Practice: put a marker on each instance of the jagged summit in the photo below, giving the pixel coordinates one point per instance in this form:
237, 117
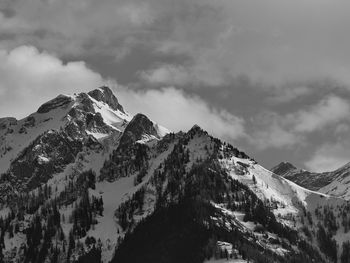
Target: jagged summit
95, 114
105, 94
82, 181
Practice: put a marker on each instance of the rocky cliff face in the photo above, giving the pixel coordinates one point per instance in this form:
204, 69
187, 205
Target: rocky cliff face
46, 142
45, 156
104, 94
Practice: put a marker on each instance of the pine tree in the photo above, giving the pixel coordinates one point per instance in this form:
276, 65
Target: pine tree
254, 179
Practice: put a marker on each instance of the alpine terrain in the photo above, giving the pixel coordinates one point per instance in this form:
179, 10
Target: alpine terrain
336, 183
82, 180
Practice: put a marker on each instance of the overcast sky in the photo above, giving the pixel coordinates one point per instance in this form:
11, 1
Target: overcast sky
272, 77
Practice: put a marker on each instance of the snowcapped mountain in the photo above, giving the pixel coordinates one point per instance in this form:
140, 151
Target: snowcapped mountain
335, 183
309, 180
84, 181
78, 116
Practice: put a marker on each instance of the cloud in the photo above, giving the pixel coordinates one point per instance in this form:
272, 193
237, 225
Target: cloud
29, 77
329, 157
167, 74
342, 129
178, 110
271, 42
269, 130
283, 95
274, 136
328, 111
277, 130
274, 46
76, 27
253, 51
87, 27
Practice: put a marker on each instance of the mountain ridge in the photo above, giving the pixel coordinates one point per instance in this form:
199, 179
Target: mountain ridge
334, 183
83, 180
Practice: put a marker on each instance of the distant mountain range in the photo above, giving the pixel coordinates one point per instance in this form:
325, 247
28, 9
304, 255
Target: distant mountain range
82, 180
335, 183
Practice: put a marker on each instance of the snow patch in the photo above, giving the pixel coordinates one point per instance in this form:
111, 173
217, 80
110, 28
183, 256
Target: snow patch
42, 159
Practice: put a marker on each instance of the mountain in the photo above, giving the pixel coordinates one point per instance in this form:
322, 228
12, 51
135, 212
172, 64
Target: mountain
284, 169
309, 180
47, 141
335, 183
82, 180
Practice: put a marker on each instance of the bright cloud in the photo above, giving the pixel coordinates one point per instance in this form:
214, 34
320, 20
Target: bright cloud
286, 57
329, 111
276, 130
29, 77
177, 110
329, 157
272, 42
168, 75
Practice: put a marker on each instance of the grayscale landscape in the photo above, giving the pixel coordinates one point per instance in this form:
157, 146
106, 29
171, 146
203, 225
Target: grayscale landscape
166, 131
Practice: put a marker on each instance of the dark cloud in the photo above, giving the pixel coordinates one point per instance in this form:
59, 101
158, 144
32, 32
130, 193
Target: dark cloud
6, 36
276, 64
7, 9
8, 12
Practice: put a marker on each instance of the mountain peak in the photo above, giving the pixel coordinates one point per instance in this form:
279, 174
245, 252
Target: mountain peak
196, 127
140, 124
197, 130
105, 94
283, 168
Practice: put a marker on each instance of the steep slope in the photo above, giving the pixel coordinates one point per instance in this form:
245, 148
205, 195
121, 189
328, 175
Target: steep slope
51, 157
287, 195
223, 192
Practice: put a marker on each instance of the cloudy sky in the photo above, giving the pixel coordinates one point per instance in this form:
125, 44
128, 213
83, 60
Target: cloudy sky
271, 76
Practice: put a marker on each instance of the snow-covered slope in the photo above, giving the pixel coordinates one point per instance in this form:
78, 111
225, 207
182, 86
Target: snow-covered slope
65, 112
66, 137
340, 185
287, 196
